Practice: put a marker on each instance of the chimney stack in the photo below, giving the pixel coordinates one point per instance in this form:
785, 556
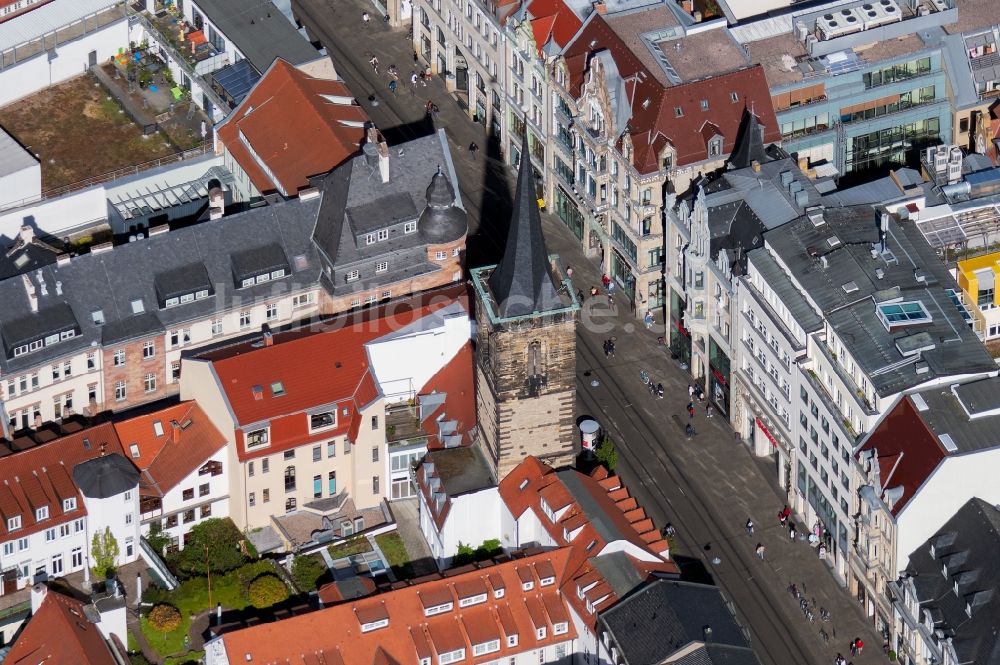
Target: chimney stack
216, 203
267, 334
26, 234
29, 287
175, 431
382, 148
38, 593
755, 165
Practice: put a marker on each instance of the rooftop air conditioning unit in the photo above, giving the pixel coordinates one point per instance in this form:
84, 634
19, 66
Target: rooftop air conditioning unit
801, 31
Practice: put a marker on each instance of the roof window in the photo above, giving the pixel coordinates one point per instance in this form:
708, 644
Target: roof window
907, 313
277, 389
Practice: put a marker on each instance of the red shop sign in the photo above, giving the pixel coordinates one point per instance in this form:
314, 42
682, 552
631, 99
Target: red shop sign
763, 429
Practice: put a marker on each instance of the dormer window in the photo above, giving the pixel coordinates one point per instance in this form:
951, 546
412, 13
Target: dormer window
14, 523
472, 600
260, 265
69, 504
438, 609
547, 581
512, 640
527, 586
374, 625
41, 513
540, 633
560, 628
256, 438
322, 420
715, 147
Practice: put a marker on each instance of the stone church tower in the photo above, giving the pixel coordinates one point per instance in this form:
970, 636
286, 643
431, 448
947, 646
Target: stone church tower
526, 315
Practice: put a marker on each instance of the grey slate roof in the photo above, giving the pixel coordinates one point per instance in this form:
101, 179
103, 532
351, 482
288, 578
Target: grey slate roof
967, 545
948, 405
112, 281
126, 287
356, 201
654, 623
521, 283
442, 221
105, 476
601, 521
749, 146
259, 31
843, 281
791, 298
618, 571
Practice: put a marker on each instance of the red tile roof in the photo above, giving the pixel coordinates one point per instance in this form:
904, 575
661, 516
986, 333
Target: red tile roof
328, 365
163, 461
655, 124
907, 451
457, 381
552, 19
410, 634
60, 633
532, 481
42, 476
294, 127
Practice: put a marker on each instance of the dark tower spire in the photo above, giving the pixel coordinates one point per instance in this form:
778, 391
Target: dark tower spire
522, 283
749, 145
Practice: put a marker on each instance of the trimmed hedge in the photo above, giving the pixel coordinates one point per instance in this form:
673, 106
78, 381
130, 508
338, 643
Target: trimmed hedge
267, 590
164, 618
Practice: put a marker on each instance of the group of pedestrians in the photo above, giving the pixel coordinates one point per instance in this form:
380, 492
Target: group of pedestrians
857, 645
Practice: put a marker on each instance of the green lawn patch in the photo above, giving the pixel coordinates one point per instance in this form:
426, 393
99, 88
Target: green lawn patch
194, 658
395, 551
166, 643
356, 545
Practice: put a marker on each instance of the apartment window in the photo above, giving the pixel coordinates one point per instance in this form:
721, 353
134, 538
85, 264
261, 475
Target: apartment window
188, 516
187, 494
64, 530
245, 320
317, 453
69, 504
289, 478
50, 535
22, 544
290, 505
148, 349
252, 499
353, 275
76, 558
119, 360
120, 392
175, 371
375, 453
317, 487
410, 227
8, 548
205, 511
440, 256
271, 312
265, 465
149, 383
374, 422
331, 448
381, 266
266, 495
203, 489
258, 437
128, 518
375, 484
289, 454
302, 299
250, 469
331, 483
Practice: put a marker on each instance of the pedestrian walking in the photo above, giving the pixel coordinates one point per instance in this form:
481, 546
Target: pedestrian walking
413, 82
840, 660
365, 18
569, 272
631, 304
749, 527
392, 86
385, 19
690, 410
611, 303
856, 646
688, 430
691, 392
648, 319
579, 295
611, 287
659, 390
416, 58
791, 530
760, 551
607, 348
708, 409
593, 291
783, 515
473, 149
611, 342
605, 280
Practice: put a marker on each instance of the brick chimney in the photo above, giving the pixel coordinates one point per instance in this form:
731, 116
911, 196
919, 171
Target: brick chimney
175, 431
26, 234
267, 335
